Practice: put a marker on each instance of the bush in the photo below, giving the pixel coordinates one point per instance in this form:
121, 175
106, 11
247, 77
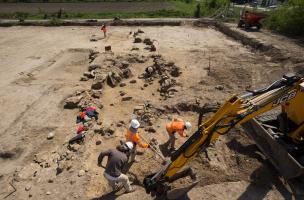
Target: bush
55, 21
288, 19
198, 13
21, 16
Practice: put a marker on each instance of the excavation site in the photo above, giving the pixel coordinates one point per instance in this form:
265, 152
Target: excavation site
69, 93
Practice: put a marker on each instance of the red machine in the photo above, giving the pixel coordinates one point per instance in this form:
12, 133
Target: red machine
251, 19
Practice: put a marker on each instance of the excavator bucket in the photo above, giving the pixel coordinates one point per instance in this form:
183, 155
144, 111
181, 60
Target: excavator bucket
266, 138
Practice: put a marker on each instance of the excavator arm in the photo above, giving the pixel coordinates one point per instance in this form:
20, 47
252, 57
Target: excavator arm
235, 111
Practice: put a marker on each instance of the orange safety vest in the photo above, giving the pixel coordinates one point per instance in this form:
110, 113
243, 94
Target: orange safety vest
177, 125
104, 29
135, 138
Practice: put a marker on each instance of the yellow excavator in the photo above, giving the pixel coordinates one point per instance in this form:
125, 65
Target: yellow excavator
280, 136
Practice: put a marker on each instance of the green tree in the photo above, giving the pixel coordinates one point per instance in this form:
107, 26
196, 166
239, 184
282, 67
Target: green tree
197, 12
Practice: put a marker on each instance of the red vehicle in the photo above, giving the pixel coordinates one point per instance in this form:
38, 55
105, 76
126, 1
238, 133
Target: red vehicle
251, 19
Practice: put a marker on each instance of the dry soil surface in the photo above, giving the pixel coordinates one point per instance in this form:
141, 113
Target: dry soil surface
40, 67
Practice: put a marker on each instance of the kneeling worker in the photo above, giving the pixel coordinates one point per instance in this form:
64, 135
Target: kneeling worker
177, 125
133, 136
117, 159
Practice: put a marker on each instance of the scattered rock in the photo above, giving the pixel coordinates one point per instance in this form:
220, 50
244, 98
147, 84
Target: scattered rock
170, 95
126, 73
81, 173
137, 40
28, 187
50, 135
98, 82
93, 67
122, 93
175, 71
148, 41
139, 107
108, 131
97, 129
96, 93
48, 193
108, 48
135, 49
88, 74
84, 78
132, 81
74, 147
140, 31
98, 142
122, 84
219, 87
124, 64
72, 102
146, 85
153, 48
149, 70
113, 78
61, 166
126, 98
120, 124
150, 130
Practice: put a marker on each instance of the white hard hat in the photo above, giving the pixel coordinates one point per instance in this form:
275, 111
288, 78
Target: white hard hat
188, 125
135, 123
129, 145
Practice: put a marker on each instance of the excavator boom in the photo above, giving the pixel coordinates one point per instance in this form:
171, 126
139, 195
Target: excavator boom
236, 111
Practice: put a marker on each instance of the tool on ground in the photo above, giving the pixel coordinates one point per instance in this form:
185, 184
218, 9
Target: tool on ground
283, 146
78, 137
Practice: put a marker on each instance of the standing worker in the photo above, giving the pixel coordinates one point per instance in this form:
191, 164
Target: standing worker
104, 30
177, 125
117, 160
133, 136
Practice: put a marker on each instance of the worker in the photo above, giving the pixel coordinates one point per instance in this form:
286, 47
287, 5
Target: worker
117, 160
104, 30
177, 125
133, 136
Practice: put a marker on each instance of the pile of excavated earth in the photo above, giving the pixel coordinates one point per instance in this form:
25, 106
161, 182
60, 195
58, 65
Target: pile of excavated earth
152, 74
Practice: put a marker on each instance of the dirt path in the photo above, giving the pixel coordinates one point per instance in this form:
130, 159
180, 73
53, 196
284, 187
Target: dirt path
41, 67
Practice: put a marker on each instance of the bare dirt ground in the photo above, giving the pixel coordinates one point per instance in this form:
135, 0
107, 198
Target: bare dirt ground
41, 67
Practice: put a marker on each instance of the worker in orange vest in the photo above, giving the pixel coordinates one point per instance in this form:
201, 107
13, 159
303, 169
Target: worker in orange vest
133, 136
104, 30
176, 126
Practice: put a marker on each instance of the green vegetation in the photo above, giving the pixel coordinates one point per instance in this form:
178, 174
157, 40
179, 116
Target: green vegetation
288, 19
183, 8
21, 16
68, 1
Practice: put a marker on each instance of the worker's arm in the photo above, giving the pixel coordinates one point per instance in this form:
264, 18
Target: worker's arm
181, 133
143, 145
101, 156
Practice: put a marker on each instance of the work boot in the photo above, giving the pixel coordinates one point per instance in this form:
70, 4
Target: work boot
172, 149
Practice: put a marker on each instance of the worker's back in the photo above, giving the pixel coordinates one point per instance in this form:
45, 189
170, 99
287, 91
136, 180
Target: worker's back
116, 162
177, 125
